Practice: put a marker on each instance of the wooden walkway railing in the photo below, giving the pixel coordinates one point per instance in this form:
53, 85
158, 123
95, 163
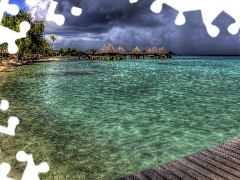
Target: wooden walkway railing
220, 162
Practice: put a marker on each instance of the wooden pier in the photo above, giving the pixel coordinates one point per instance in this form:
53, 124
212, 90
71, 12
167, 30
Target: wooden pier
220, 162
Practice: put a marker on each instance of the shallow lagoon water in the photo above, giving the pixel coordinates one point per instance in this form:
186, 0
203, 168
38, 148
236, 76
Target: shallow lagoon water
105, 119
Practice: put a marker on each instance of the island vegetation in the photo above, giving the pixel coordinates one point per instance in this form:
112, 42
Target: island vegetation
36, 47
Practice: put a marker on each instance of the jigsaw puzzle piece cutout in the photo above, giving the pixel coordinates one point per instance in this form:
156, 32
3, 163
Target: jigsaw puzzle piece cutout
231, 7
208, 16
180, 19
12, 9
12, 124
31, 3
133, 1
76, 11
51, 16
4, 105
59, 19
209, 11
4, 170
180, 6
233, 28
31, 171
9, 36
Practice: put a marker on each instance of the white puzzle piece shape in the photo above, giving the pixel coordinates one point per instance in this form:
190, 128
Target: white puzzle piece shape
9, 36
133, 1
10, 129
4, 170
76, 11
6, 7
4, 105
31, 171
59, 19
31, 3
209, 10
51, 16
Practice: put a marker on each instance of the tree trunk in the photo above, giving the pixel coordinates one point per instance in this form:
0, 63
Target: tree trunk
16, 58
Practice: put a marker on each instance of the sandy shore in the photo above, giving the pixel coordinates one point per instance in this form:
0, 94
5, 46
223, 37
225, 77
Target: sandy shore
54, 58
2, 68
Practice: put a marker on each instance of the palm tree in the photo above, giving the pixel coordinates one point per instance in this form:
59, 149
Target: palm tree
93, 51
53, 38
3, 49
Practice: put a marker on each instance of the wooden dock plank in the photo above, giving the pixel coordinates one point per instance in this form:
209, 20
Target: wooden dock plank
152, 175
220, 162
189, 171
237, 146
201, 169
235, 141
224, 155
177, 172
230, 148
234, 145
198, 168
227, 152
224, 171
164, 173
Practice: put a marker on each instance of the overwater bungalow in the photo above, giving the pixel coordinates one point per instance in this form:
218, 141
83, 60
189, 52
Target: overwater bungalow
164, 52
149, 51
157, 53
108, 52
137, 53
120, 50
155, 50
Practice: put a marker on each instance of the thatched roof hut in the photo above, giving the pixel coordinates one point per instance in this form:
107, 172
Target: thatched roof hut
136, 50
149, 51
103, 48
162, 50
120, 50
109, 49
155, 50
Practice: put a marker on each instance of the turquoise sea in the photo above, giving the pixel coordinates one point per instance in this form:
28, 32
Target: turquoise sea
107, 119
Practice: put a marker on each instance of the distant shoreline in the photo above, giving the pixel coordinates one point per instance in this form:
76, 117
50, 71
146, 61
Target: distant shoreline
12, 62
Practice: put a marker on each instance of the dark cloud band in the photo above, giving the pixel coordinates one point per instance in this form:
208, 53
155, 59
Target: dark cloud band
121, 23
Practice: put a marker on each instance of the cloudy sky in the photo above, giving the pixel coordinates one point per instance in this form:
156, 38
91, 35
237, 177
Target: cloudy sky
122, 23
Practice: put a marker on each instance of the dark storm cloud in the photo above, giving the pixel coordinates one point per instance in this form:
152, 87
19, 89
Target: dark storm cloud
101, 15
121, 23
